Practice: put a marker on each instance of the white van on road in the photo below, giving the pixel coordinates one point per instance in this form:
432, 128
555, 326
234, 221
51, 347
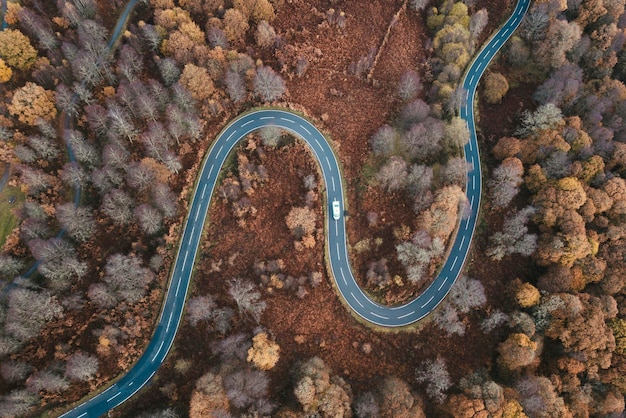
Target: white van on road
336, 210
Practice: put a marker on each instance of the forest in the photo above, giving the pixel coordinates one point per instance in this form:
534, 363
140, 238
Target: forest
102, 134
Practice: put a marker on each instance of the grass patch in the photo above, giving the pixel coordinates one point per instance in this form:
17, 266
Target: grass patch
8, 220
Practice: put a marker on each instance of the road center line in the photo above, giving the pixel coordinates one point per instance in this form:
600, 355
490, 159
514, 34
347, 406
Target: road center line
158, 351
442, 283
288, 120
405, 315
177, 288
169, 321
203, 191
338, 253
114, 396
306, 130
328, 162
247, 123
462, 241
454, 262
428, 301
379, 316
266, 117
357, 301
344, 277
333, 181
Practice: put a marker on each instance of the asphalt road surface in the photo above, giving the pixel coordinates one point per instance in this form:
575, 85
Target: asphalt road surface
336, 244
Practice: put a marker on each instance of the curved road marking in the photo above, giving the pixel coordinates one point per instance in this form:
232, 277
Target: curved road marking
163, 338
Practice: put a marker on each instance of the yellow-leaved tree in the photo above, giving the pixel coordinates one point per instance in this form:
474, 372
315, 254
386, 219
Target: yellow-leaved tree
5, 72
16, 49
32, 102
264, 353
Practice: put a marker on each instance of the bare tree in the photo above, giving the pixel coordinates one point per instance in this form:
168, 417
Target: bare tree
47, 381
120, 121
85, 152
478, 22
418, 5
265, 34
28, 311
149, 218
435, 375
126, 277
200, 308
65, 100
383, 141
467, 294
14, 371
507, 178
409, 85
115, 154
270, 135
139, 176
169, 71
10, 266
514, 237
35, 179
59, 263
17, 402
246, 387
235, 86
43, 146
268, 86
74, 175
117, 205
217, 37
77, 221
247, 298
81, 367
164, 199
392, 176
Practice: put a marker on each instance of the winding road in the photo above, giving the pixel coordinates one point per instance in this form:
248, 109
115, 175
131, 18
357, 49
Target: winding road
336, 244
